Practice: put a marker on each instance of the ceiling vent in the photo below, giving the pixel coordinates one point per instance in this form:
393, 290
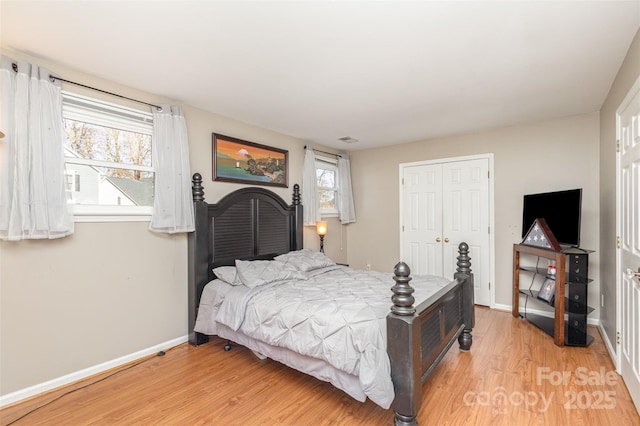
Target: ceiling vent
348, 139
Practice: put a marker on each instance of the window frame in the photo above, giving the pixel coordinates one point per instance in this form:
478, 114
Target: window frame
102, 113
326, 163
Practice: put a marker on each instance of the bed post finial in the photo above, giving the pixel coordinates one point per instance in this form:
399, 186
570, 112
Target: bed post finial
296, 195
402, 292
464, 261
196, 189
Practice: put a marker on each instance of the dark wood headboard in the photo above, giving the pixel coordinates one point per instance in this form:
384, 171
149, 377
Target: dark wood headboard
250, 223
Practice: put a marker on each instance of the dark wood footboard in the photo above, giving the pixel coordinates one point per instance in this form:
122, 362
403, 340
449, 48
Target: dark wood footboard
418, 337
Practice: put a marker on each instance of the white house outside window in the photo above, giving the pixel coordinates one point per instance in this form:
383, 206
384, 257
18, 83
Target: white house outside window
71, 182
107, 158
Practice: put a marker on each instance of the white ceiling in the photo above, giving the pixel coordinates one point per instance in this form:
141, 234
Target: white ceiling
380, 72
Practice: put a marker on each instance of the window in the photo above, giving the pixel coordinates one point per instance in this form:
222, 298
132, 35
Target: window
108, 150
327, 175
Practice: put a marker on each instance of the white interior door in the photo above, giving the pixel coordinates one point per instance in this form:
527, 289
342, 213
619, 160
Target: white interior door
465, 192
628, 292
443, 204
422, 219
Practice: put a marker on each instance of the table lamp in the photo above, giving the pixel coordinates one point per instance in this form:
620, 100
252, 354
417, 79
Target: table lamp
321, 228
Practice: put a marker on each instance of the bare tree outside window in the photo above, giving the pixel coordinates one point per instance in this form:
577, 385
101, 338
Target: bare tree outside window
93, 142
113, 164
326, 180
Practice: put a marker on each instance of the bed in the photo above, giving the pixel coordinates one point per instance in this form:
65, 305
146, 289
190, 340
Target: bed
393, 329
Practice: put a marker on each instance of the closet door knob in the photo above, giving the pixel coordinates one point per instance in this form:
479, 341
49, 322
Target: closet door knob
631, 274
446, 240
438, 239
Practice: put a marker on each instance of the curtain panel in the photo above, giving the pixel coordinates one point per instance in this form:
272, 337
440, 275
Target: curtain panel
33, 202
311, 212
173, 203
346, 209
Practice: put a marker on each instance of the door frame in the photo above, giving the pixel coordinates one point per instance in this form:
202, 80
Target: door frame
618, 215
489, 157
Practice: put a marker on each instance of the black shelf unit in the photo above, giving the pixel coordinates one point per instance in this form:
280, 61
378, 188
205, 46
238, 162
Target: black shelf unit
567, 320
573, 336
574, 307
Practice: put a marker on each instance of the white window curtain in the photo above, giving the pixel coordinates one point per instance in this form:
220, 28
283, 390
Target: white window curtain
33, 202
346, 209
173, 203
311, 213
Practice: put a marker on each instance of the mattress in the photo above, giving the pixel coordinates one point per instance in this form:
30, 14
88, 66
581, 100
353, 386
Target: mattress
329, 322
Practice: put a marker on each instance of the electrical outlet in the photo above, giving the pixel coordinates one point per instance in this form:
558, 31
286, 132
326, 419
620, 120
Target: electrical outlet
602, 300
368, 266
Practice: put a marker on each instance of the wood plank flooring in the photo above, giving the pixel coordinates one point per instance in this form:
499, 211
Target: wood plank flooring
502, 381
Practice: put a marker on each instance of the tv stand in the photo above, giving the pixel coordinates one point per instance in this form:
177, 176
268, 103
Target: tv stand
571, 293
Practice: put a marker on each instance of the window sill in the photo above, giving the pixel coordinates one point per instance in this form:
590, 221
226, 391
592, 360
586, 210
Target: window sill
111, 214
332, 214
102, 218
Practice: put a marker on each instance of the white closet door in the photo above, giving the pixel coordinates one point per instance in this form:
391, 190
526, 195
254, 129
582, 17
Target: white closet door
443, 204
465, 192
422, 219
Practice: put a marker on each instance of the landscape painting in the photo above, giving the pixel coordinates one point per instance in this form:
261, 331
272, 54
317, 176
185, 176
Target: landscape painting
236, 160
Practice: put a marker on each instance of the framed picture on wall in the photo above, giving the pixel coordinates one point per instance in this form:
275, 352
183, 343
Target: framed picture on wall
240, 161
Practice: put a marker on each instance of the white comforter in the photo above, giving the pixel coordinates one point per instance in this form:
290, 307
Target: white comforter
337, 314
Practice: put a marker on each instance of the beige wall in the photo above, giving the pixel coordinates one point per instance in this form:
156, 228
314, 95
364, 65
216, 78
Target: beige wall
627, 75
550, 155
112, 289
108, 290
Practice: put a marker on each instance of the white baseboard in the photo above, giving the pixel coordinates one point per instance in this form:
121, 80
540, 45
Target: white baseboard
610, 348
499, 307
87, 372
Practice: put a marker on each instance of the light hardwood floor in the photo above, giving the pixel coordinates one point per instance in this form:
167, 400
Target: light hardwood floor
514, 375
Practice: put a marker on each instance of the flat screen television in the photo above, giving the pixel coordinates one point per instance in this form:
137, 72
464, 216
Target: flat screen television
560, 209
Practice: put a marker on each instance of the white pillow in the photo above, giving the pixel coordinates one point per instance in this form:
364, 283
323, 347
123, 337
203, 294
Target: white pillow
254, 273
228, 274
306, 259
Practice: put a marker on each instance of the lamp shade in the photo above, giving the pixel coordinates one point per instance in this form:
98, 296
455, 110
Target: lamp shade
321, 227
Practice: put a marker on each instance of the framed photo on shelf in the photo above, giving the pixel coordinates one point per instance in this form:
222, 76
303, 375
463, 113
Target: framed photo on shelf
240, 161
548, 291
